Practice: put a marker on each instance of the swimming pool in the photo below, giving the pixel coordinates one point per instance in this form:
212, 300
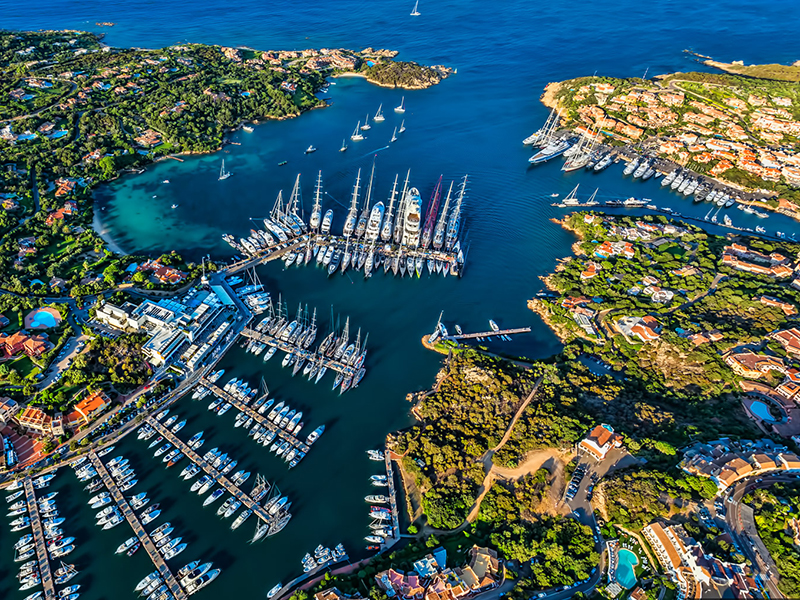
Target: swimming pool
42, 318
761, 410
626, 561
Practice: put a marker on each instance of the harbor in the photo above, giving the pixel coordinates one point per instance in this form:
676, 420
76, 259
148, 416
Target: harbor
274, 521
144, 538
373, 234
45, 573
257, 417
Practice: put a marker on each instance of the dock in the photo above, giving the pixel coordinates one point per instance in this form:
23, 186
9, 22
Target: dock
147, 543
264, 256
486, 334
392, 495
41, 544
258, 418
245, 499
265, 338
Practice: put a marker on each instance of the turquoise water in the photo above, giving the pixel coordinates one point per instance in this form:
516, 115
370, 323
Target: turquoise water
626, 561
761, 410
472, 123
43, 318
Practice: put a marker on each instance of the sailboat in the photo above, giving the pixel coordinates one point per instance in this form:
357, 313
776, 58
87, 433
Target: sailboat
415, 12
394, 135
366, 126
223, 174
402, 126
379, 115
402, 107
344, 146
357, 134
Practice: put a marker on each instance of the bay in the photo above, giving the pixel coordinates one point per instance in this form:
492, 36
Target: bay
472, 123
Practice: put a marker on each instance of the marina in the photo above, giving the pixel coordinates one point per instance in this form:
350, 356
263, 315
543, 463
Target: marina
37, 530
262, 420
274, 520
144, 538
372, 234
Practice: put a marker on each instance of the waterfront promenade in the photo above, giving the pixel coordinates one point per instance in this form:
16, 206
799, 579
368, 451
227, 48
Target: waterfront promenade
38, 536
245, 499
138, 529
258, 418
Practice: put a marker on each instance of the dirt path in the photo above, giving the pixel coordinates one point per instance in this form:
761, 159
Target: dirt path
532, 463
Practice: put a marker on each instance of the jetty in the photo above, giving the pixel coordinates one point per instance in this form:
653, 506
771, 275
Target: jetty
335, 365
257, 418
486, 334
147, 543
392, 496
219, 478
264, 256
38, 536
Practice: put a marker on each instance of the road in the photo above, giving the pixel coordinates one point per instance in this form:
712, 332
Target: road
740, 523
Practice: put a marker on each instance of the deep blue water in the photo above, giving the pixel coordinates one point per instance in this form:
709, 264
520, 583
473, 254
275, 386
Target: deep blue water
472, 123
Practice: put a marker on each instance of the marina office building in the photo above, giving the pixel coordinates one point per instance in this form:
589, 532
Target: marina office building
180, 330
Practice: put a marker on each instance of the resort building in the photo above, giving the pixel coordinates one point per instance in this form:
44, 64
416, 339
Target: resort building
726, 462
21, 342
789, 339
83, 411
600, 441
401, 585
483, 571
35, 420
753, 366
173, 326
645, 328
8, 409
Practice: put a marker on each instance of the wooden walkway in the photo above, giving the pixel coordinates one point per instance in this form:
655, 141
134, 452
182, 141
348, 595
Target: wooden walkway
392, 495
258, 418
486, 334
245, 499
264, 256
41, 544
265, 338
138, 529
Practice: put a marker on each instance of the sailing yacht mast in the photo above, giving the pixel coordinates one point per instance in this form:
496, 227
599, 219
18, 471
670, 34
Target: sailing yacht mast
316, 211
277, 208
352, 215
362, 220
455, 219
438, 235
386, 232
398, 225
430, 218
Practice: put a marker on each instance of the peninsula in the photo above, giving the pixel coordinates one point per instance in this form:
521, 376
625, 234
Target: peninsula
740, 131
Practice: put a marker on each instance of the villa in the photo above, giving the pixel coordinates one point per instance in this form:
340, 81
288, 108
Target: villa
600, 441
20, 341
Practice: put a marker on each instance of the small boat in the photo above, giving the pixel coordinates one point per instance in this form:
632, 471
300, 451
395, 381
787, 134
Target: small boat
344, 147
402, 108
275, 590
310, 149
215, 495
126, 545
283, 162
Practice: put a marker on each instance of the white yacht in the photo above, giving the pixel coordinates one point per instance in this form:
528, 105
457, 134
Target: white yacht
413, 210
374, 223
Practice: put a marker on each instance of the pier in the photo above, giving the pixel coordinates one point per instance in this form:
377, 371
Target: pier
258, 418
486, 334
219, 478
138, 529
392, 496
41, 544
265, 338
264, 256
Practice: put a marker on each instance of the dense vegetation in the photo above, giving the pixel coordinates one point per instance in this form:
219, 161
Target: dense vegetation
635, 498
119, 360
560, 550
776, 514
466, 415
407, 75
